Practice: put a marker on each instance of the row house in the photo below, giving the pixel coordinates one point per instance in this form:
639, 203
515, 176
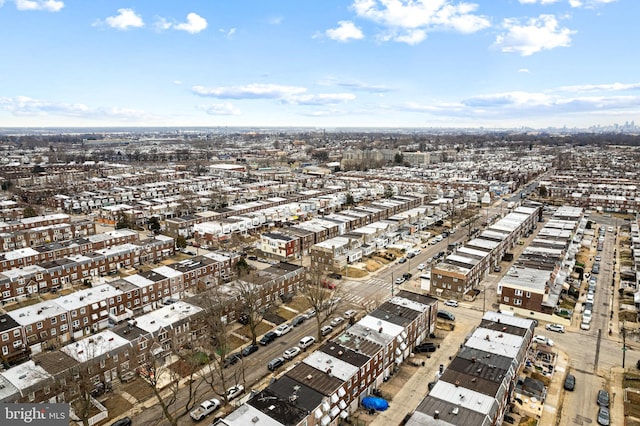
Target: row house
58, 376
46, 234
12, 342
459, 274
34, 222
327, 386
478, 384
335, 254
56, 274
279, 246
57, 250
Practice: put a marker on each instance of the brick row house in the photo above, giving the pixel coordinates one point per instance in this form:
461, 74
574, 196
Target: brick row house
329, 383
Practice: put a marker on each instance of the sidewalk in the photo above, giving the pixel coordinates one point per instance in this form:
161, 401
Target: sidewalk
412, 392
555, 391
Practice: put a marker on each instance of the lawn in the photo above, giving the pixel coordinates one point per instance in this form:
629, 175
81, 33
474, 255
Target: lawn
117, 406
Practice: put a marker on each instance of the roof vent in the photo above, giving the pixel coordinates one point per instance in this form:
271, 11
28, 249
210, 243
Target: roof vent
436, 415
255, 420
309, 377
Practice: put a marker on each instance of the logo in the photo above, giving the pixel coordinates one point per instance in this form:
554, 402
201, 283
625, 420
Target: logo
34, 414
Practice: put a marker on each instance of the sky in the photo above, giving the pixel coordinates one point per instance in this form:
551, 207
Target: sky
319, 63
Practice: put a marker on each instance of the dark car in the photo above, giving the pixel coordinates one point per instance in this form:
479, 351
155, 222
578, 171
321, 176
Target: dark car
335, 276
406, 275
402, 260
275, 363
446, 315
570, 382
425, 347
603, 398
125, 421
297, 320
231, 360
249, 350
603, 416
268, 338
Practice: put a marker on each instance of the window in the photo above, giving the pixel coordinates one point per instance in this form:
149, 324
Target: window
29, 328
5, 337
32, 396
518, 292
83, 311
506, 299
517, 302
17, 344
85, 320
39, 325
54, 320
63, 328
47, 389
528, 294
76, 323
5, 350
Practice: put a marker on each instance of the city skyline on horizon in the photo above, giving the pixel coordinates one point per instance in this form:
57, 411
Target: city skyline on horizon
375, 64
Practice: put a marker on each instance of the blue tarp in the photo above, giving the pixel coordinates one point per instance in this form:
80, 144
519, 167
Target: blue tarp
375, 403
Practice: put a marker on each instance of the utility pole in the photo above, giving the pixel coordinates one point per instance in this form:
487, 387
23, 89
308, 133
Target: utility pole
624, 344
392, 283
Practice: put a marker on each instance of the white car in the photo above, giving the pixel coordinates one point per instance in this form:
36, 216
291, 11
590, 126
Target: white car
336, 321
291, 353
585, 326
350, 313
421, 266
283, 329
590, 298
587, 316
234, 392
542, 339
451, 302
558, 328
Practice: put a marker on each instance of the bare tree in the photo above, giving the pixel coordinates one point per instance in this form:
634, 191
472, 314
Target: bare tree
322, 300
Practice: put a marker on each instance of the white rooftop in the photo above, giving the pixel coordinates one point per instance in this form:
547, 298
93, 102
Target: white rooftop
166, 316
94, 346
21, 253
462, 396
38, 312
331, 365
88, 296
25, 375
167, 272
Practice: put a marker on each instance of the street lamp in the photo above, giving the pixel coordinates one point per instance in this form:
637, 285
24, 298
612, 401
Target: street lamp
392, 283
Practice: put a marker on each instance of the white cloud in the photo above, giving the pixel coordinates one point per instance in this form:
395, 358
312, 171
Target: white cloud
320, 99
360, 86
250, 91
220, 109
228, 33
177, 82
611, 87
162, 24
125, 19
195, 23
589, 3
542, 33
524, 70
539, 1
25, 106
345, 31
409, 21
46, 5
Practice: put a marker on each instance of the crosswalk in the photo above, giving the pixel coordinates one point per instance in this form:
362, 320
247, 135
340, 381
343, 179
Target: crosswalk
360, 300
378, 282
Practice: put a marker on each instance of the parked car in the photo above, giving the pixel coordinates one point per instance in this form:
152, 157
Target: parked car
125, 421
421, 266
310, 314
603, 398
587, 316
585, 326
407, 275
451, 302
399, 280
275, 363
335, 276
234, 392
570, 382
249, 350
326, 330
336, 321
291, 353
542, 339
204, 409
497, 268
268, 338
243, 319
402, 260
446, 315
425, 347
298, 320
558, 328
328, 284
603, 416
231, 359
350, 313
306, 341
282, 329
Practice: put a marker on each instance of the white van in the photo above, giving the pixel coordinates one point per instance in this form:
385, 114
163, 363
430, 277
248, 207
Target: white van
306, 341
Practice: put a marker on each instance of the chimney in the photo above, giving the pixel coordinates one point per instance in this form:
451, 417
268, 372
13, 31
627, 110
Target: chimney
436, 415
